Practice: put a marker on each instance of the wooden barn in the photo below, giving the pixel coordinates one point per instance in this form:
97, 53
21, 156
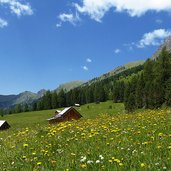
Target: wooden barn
4, 125
67, 114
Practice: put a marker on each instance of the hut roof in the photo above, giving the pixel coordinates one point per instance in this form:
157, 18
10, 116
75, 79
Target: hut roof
4, 125
2, 122
61, 114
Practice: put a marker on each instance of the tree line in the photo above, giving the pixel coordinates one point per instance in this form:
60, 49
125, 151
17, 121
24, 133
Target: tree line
98, 91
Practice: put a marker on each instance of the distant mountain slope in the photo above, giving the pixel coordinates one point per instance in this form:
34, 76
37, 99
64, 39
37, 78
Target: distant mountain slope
6, 100
167, 44
28, 97
70, 85
116, 71
25, 97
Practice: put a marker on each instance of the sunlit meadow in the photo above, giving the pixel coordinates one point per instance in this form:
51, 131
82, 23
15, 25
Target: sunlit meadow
139, 141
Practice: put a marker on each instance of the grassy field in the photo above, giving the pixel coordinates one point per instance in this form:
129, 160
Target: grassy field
40, 117
105, 139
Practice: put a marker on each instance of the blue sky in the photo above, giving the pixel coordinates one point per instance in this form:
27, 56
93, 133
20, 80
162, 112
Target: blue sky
47, 43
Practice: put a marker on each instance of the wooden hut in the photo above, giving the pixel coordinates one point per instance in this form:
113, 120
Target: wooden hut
67, 114
4, 125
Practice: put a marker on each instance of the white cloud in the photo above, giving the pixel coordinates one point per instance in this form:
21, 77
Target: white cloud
17, 7
153, 38
117, 51
69, 17
85, 68
96, 9
88, 60
59, 25
3, 23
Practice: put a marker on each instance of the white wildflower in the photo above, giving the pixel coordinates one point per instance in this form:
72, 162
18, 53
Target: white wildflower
83, 159
97, 161
89, 161
101, 157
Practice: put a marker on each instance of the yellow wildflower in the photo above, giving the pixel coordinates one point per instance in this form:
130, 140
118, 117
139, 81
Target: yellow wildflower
25, 145
120, 164
110, 161
24, 157
39, 163
142, 164
83, 166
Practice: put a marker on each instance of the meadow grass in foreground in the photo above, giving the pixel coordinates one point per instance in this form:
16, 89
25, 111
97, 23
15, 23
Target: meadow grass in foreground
139, 141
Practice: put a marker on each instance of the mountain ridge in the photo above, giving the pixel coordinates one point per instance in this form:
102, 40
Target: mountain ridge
167, 44
115, 71
7, 101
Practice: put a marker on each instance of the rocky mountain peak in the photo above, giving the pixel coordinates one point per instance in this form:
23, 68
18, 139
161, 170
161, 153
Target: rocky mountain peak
167, 44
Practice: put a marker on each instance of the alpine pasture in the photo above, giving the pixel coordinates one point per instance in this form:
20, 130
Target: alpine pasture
105, 139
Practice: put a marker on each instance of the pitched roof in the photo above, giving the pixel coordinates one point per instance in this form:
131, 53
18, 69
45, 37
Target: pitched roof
2, 122
60, 114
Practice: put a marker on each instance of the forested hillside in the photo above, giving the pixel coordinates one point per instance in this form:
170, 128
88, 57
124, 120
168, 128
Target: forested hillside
152, 87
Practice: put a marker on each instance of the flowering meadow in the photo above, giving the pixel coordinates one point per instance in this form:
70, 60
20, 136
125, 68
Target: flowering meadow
138, 141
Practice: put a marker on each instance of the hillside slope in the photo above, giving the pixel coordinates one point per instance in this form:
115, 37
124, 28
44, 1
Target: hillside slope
70, 85
7, 101
116, 71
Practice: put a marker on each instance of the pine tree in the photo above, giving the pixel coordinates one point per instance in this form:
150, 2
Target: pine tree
26, 108
18, 108
168, 92
131, 103
116, 89
139, 93
121, 91
40, 105
1, 112
163, 66
110, 95
162, 74
61, 98
34, 106
54, 100
148, 79
129, 99
47, 98
126, 95
96, 94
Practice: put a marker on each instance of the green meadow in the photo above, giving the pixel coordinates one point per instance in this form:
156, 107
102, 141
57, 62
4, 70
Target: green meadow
106, 138
40, 117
